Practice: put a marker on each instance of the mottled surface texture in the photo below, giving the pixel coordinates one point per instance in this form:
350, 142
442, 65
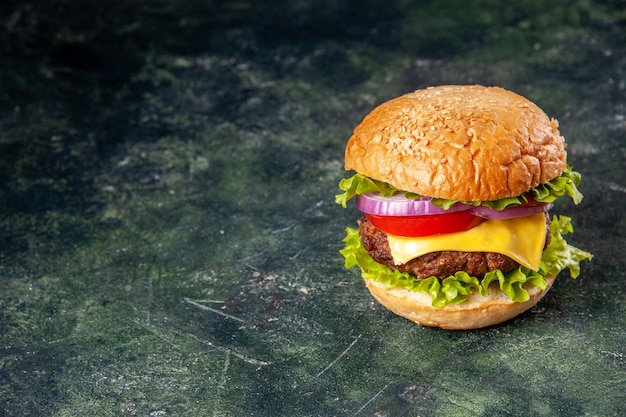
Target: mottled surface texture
168, 236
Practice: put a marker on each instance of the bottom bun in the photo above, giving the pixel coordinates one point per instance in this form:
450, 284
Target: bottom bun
477, 312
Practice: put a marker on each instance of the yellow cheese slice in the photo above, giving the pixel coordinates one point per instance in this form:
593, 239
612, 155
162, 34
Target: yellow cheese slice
521, 239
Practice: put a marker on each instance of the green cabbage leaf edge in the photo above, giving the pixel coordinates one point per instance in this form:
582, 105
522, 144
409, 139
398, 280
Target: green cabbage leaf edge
564, 184
559, 255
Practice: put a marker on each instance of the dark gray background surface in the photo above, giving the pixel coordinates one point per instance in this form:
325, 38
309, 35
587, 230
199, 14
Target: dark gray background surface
168, 236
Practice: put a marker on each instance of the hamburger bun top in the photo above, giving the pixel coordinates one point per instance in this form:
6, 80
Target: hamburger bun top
468, 143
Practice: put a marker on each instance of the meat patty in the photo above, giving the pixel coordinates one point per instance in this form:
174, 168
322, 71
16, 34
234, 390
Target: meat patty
439, 264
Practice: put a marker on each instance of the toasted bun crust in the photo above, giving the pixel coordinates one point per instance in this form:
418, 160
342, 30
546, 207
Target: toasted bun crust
476, 313
469, 143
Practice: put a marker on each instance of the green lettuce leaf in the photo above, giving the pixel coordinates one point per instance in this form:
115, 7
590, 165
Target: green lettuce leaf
565, 184
559, 255
360, 184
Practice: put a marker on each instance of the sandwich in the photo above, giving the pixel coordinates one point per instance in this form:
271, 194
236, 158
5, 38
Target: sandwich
455, 184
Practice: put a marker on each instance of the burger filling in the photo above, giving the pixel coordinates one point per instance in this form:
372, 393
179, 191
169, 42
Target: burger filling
427, 245
440, 264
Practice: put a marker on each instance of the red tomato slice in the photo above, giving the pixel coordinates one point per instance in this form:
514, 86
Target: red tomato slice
432, 224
